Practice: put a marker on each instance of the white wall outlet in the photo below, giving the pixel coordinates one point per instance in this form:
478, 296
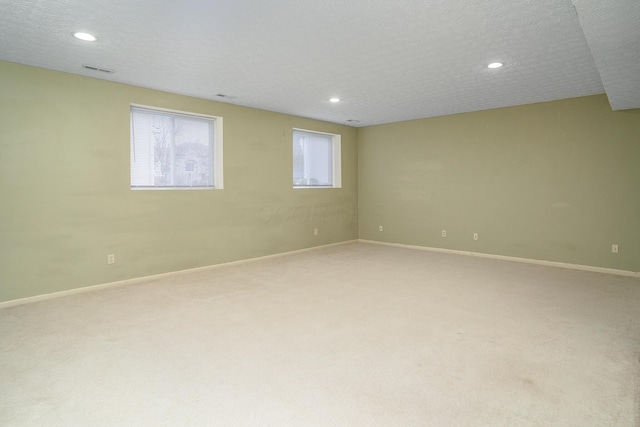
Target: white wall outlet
380, 228
111, 259
475, 236
444, 233
614, 248
315, 231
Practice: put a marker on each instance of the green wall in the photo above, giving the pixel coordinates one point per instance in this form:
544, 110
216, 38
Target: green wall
66, 202
556, 181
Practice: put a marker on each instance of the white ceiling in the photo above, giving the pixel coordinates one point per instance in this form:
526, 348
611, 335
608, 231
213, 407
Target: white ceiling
388, 60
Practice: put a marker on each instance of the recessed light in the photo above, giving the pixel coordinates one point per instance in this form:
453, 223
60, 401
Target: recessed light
334, 100
494, 65
85, 36
353, 121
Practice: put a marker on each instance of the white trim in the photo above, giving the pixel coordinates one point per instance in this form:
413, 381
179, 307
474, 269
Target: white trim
511, 258
336, 166
315, 131
176, 112
140, 188
218, 148
92, 288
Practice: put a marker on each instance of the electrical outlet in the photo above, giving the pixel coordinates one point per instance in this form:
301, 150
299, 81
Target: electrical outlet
475, 236
315, 231
444, 233
111, 259
379, 228
614, 248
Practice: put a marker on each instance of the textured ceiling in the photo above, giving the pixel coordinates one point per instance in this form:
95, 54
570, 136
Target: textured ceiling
387, 60
612, 29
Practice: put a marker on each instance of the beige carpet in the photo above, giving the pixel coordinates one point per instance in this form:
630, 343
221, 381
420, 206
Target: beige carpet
350, 335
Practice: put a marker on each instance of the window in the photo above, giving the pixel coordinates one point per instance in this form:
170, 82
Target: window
316, 159
171, 150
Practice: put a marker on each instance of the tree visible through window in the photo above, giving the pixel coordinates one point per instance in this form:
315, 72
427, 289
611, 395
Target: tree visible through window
171, 149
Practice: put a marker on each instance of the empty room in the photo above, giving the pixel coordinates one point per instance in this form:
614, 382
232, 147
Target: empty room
330, 213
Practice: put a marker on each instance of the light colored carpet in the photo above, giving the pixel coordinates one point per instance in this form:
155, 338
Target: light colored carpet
350, 335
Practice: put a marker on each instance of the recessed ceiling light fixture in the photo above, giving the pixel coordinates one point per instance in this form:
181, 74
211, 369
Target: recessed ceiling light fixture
334, 99
85, 36
494, 65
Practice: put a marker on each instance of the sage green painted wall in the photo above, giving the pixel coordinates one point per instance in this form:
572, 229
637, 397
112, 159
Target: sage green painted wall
66, 202
556, 181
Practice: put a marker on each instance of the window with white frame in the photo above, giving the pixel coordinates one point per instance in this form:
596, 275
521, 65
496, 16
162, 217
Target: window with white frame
316, 159
175, 150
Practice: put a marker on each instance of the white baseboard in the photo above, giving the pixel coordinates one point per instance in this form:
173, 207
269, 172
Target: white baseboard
511, 258
93, 288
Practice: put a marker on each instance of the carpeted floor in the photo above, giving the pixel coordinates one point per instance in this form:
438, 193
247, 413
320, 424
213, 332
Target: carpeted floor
349, 335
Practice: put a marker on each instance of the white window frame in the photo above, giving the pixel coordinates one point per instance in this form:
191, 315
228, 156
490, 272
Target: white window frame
218, 175
336, 159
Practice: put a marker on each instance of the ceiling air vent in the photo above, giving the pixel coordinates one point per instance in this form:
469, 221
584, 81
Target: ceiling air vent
94, 68
222, 95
